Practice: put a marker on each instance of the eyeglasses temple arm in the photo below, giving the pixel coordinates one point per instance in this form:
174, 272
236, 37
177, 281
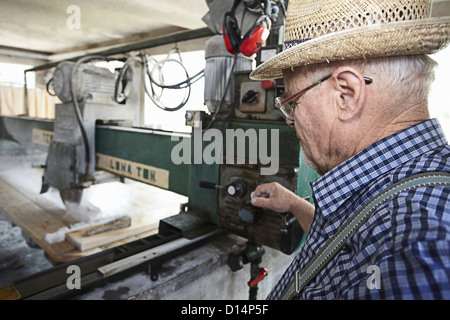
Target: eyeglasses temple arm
368, 80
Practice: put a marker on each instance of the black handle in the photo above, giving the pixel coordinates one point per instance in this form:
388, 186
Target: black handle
208, 185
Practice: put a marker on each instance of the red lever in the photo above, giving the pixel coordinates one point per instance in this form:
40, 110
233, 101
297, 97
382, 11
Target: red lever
261, 275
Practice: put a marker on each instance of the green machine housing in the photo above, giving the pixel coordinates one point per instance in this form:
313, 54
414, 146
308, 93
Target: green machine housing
220, 192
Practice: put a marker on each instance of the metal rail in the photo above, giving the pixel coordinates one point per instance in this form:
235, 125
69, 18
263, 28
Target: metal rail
141, 255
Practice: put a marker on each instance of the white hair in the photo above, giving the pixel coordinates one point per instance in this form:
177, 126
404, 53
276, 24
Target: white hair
405, 78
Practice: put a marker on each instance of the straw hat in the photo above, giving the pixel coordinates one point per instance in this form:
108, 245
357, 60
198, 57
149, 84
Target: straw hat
320, 31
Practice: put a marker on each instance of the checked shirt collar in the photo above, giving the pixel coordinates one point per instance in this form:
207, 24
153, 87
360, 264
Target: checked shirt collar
338, 185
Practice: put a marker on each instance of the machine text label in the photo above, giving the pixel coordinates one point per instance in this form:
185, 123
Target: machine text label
134, 170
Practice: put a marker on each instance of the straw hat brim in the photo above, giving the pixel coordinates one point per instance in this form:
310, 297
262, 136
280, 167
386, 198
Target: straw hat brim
378, 40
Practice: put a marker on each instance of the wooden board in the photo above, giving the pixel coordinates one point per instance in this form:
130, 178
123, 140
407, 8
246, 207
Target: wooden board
34, 221
144, 222
42, 214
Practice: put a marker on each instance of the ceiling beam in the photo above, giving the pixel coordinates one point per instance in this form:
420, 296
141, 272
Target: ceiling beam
143, 45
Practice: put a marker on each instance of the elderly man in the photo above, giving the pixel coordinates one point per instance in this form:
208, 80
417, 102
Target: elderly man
357, 77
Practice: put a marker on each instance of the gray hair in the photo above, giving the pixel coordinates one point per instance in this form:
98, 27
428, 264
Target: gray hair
406, 78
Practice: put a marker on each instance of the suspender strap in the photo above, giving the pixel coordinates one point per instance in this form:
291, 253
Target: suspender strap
336, 242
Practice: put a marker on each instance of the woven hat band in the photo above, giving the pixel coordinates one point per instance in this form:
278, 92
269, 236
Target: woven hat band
309, 19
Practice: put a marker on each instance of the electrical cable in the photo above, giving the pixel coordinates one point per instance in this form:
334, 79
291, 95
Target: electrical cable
150, 89
47, 86
185, 84
156, 98
120, 97
78, 111
182, 84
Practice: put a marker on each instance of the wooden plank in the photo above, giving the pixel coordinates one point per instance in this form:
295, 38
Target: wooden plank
39, 215
35, 223
144, 222
119, 223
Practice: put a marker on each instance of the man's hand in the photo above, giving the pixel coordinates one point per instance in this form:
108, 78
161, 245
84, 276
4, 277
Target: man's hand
274, 196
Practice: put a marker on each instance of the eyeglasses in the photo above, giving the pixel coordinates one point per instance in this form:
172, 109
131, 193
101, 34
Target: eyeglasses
287, 105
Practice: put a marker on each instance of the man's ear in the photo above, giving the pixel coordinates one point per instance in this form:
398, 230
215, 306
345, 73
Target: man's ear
350, 92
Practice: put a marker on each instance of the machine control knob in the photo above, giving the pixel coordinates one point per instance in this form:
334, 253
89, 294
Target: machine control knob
236, 189
251, 97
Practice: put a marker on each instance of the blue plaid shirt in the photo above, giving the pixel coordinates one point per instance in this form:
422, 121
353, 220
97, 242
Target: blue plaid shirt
403, 250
